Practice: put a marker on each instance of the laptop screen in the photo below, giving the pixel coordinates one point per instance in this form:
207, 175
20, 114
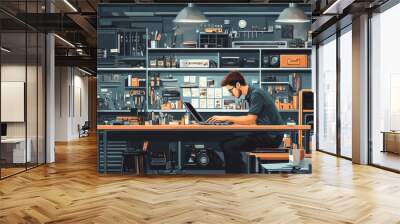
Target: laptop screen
194, 113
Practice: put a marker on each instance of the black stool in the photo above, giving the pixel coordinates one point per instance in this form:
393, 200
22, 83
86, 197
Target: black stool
132, 160
258, 155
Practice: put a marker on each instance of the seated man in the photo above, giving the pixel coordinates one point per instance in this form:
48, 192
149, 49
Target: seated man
262, 111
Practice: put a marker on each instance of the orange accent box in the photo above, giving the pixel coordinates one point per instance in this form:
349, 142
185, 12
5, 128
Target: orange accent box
135, 82
295, 102
294, 61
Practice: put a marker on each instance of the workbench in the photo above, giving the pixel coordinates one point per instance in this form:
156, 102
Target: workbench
113, 139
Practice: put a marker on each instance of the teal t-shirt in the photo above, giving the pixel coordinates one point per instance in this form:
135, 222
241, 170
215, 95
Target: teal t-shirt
262, 105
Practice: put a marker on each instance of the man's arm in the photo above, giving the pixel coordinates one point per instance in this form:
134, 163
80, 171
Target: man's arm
247, 119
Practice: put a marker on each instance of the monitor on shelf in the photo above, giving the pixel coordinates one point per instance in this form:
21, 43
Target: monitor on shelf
3, 130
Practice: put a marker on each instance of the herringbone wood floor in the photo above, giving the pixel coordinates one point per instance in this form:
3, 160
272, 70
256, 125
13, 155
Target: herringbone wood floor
70, 191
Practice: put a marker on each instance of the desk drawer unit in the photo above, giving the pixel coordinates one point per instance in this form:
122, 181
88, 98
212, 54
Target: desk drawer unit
110, 161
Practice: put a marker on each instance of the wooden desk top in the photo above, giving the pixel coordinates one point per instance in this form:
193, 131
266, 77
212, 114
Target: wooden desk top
196, 127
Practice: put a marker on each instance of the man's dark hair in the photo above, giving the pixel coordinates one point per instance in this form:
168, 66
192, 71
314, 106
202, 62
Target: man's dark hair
232, 78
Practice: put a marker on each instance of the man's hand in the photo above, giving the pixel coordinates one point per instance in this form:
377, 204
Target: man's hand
216, 118
246, 119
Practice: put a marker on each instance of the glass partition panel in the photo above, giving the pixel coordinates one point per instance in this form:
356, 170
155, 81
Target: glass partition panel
327, 95
346, 93
14, 153
22, 87
32, 97
385, 89
41, 79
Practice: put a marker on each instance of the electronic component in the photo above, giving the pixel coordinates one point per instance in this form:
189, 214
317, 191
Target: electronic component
158, 159
287, 31
198, 156
153, 63
259, 44
229, 62
249, 62
265, 61
242, 24
296, 43
214, 40
194, 63
213, 30
270, 61
307, 99
171, 93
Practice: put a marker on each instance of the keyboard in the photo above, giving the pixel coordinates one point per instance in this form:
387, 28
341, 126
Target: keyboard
216, 123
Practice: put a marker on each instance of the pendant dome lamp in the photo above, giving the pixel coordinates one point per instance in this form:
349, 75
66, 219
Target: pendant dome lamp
190, 14
293, 14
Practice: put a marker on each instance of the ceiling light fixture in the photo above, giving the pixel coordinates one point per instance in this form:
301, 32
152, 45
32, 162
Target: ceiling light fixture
293, 14
65, 41
5, 50
190, 14
70, 5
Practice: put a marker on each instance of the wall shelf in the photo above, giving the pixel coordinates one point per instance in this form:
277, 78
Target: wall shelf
212, 111
199, 110
113, 111
135, 87
275, 83
121, 69
228, 69
288, 111
229, 49
287, 69
202, 69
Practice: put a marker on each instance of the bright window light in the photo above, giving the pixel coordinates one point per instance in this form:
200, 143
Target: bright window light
70, 5
64, 40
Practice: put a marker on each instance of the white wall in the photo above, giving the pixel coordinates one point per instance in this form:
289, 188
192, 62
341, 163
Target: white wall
71, 102
14, 73
80, 112
62, 82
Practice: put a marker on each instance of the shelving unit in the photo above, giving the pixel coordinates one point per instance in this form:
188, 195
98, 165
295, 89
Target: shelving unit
230, 49
287, 69
113, 111
120, 69
259, 71
201, 69
213, 111
159, 18
135, 87
302, 111
275, 83
254, 75
199, 110
227, 69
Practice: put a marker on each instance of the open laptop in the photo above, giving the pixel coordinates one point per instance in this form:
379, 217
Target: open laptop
200, 119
